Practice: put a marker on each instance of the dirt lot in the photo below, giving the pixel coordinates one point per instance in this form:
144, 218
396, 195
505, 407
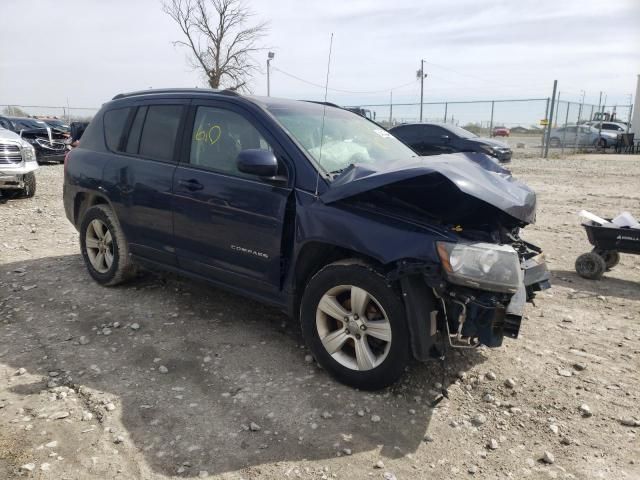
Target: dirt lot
83, 394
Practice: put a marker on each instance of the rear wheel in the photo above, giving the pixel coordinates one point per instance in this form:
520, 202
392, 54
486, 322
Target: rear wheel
611, 257
590, 266
104, 247
354, 323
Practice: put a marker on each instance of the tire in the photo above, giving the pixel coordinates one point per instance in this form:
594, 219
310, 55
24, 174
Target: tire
590, 266
601, 144
370, 351
554, 142
611, 257
29, 189
113, 244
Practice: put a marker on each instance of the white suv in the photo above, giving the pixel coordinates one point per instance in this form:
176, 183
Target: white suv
17, 165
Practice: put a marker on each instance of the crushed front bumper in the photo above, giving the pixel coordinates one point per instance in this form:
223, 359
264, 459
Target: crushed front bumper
466, 317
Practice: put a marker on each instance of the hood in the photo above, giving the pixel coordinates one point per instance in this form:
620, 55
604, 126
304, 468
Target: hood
461, 188
489, 142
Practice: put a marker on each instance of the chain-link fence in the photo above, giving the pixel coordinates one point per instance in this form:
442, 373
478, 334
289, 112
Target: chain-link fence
522, 123
66, 113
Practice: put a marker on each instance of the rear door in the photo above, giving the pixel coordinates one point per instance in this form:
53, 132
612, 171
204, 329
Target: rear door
228, 225
139, 174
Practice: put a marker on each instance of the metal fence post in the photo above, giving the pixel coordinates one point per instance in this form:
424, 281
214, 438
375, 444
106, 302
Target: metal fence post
564, 132
544, 130
446, 106
491, 122
553, 99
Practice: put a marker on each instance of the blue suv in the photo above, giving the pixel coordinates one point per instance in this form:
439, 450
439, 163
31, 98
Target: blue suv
381, 254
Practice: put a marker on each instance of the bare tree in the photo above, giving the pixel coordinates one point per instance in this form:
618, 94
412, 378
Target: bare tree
219, 37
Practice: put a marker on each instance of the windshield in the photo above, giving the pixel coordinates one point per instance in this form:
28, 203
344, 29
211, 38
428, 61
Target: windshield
348, 138
461, 132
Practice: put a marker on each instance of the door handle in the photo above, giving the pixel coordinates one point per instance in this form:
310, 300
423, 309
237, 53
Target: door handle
191, 185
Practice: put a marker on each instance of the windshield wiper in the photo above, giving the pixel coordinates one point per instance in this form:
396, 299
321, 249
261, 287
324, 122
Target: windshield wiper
337, 172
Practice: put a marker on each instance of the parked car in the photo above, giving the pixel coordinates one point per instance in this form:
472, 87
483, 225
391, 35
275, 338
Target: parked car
581, 136
17, 165
380, 254
615, 127
437, 138
48, 142
57, 124
501, 132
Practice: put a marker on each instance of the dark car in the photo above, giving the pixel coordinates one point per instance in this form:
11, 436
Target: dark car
380, 254
49, 143
56, 124
437, 138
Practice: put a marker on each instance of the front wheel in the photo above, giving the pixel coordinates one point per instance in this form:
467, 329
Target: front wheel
590, 266
29, 189
354, 323
104, 247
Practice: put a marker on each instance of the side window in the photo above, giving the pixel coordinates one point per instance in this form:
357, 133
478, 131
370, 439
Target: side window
217, 138
159, 133
133, 140
114, 123
432, 132
5, 124
406, 134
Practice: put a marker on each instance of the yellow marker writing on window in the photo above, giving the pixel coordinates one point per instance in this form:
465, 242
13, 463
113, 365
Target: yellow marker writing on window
214, 134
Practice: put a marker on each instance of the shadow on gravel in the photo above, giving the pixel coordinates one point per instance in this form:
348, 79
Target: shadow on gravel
230, 362
608, 286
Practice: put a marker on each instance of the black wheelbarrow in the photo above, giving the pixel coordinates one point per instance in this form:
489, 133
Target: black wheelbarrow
608, 243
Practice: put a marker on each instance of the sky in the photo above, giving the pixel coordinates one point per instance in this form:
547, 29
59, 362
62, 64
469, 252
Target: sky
83, 52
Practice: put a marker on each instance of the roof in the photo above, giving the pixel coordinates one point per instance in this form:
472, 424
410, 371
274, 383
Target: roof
175, 91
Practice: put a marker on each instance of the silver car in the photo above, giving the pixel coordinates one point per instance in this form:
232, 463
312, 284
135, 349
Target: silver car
17, 165
582, 136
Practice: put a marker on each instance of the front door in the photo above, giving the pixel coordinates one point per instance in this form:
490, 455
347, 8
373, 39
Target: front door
228, 225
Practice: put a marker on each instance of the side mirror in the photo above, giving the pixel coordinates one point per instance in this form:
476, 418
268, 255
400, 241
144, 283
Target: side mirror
262, 163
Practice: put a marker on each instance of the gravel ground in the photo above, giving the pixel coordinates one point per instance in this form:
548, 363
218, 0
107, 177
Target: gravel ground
166, 377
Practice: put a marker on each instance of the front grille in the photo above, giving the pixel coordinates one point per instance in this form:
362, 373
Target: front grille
10, 154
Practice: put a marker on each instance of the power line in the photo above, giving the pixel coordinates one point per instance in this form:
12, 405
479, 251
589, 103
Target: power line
385, 90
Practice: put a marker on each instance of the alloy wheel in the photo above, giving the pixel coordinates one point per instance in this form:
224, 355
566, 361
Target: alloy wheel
353, 327
99, 244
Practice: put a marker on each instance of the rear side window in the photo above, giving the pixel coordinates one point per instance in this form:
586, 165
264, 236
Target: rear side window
159, 132
114, 123
133, 140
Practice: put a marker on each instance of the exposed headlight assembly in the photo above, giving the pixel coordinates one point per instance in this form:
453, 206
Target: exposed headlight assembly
28, 153
485, 266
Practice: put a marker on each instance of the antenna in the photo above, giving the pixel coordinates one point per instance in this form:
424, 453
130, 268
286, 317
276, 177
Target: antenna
324, 112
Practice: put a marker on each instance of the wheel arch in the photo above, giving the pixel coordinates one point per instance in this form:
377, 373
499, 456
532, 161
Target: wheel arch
85, 200
315, 255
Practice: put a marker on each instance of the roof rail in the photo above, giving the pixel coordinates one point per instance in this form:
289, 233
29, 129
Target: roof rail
153, 91
328, 104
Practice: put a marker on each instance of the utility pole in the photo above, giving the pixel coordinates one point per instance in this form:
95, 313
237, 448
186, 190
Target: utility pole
270, 56
421, 75
599, 102
553, 99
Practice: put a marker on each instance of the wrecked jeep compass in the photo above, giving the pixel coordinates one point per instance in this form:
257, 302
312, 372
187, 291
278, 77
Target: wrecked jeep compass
380, 254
